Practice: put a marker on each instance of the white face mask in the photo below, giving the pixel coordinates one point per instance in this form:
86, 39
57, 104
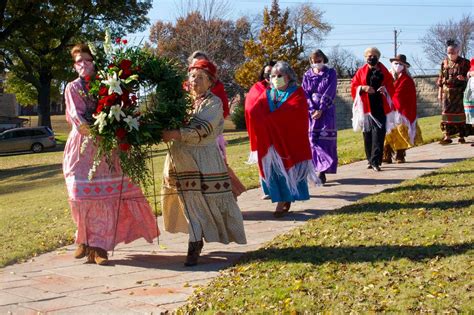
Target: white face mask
397, 67
317, 66
278, 82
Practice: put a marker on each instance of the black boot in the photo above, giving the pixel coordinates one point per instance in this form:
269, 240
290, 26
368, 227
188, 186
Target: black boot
387, 154
400, 158
194, 250
322, 177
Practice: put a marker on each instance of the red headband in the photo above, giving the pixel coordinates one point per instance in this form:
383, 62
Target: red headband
205, 65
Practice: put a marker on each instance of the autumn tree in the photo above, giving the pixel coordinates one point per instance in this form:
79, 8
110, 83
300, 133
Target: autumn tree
37, 53
434, 41
308, 25
281, 38
344, 62
220, 38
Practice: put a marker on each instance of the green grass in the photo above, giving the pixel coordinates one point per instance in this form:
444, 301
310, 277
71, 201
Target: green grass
34, 215
408, 249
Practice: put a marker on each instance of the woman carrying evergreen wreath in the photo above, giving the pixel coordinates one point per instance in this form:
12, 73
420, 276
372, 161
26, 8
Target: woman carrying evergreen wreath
197, 192
218, 90
108, 209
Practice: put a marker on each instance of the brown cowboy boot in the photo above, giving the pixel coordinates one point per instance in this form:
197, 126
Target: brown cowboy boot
194, 250
97, 255
81, 251
400, 158
387, 154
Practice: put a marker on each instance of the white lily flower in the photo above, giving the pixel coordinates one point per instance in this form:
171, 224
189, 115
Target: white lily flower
131, 78
92, 48
116, 112
107, 43
131, 122
100, 120
114, 84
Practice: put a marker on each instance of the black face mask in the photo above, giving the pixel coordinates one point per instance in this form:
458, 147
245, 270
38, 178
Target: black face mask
372, 61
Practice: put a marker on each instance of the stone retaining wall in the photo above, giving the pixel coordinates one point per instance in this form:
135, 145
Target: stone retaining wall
427, 97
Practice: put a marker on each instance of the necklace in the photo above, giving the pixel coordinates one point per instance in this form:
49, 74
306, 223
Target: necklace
278, 96
451, 64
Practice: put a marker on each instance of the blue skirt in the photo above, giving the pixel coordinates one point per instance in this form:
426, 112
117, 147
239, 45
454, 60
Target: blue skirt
278, 190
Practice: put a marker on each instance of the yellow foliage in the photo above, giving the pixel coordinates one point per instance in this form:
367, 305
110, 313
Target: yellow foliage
276, 42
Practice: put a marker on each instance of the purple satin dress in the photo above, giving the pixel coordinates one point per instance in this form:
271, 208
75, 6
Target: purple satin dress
320, 90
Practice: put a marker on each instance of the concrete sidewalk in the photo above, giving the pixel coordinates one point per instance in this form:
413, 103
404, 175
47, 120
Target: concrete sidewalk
149, 278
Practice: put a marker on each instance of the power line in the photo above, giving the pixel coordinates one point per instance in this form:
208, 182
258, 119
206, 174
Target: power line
378, 4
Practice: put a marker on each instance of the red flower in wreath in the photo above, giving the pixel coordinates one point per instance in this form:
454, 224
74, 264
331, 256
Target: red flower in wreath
121, 133
125, 66
103, 91
124, 147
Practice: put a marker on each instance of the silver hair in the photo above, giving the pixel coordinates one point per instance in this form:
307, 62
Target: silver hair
284, 68
197, 54
374, 50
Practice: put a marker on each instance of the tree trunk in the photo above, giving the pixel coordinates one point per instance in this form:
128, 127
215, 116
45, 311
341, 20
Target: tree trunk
44, 95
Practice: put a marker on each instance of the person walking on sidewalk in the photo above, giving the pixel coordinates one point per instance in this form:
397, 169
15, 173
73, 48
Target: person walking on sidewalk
319, 85
280, 121
218, 90
372, 89
469, 97
197, 192
108, 209
452, 82
407, 133
255, 92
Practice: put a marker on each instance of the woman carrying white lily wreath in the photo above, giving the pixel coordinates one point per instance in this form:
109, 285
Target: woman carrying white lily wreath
407, 133
197, 192
372, 89
109, 208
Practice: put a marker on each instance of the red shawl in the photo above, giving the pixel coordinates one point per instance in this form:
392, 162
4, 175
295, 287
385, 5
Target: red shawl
251, 99
286, 129
360, 78
404, 98
219, 91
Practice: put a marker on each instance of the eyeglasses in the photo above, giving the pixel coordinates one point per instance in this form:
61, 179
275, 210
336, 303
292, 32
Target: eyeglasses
84, 61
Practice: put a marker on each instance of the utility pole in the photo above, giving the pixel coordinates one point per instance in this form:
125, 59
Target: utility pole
395, 43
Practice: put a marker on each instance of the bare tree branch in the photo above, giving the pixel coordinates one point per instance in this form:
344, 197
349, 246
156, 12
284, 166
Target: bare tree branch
434, 41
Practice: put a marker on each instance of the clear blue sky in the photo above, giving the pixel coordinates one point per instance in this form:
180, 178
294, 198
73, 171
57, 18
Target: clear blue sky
356, 24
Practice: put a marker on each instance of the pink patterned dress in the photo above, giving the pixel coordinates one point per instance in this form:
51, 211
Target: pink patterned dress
95, 203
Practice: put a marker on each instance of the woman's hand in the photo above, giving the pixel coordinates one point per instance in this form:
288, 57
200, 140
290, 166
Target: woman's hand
84, 129
169, 135
317, 114
367, 89
382, 90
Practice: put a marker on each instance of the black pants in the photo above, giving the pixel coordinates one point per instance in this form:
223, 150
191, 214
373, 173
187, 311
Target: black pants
373, 143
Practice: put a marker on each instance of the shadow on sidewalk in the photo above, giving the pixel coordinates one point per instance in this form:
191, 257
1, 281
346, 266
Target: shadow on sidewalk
440, 160
354, 254
368, 181
299, 215
212, 261
348, 195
